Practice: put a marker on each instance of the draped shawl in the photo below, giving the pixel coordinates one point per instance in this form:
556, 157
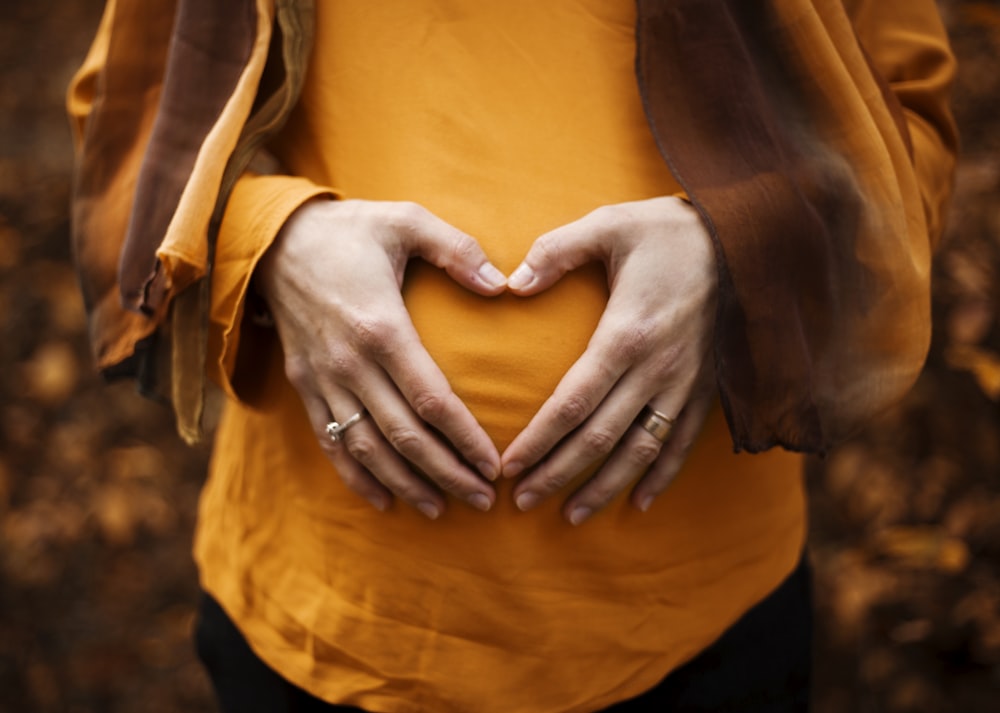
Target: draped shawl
802, 170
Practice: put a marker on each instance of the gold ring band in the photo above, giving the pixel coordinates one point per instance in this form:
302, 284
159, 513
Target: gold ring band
656, 423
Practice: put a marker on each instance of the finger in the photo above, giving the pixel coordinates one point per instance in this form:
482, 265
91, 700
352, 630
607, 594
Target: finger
365, 445
418, 445
593, 441
365, 462
354, 476
447, 247
426, 389
557, 252
665, 469
609, 430
636, 452
576, 397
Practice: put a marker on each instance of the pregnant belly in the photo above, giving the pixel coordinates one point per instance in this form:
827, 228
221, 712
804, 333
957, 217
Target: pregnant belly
505, 355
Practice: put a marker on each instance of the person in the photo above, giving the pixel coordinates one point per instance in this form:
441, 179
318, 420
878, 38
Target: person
511, 304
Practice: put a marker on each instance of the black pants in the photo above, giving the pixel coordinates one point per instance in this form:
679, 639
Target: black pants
760, 665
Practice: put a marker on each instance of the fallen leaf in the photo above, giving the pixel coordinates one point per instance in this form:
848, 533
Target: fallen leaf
914, 694
62, 296
970, 273
52, 372
852, 584
911, 632
116, 517
923, 547
136, 462
970, 321
983, 14
982, 364
878, 665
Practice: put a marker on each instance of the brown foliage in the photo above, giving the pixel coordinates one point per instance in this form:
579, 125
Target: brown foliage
906, 519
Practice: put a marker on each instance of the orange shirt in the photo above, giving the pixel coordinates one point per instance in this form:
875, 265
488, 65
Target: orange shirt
505, 120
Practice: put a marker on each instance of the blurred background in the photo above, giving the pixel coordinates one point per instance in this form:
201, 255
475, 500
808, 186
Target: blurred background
97, 494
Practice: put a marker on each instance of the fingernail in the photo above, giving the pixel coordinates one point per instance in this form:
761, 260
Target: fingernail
521, 277
646, 503
526, 501
579, 515
379, 504
480, 502
493, 278
488, 470
430, 510
512, 469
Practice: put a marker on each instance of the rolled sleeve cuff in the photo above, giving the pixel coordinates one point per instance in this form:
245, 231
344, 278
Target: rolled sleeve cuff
255, 213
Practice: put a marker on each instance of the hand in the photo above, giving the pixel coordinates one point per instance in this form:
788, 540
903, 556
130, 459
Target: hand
651, 347
332, 281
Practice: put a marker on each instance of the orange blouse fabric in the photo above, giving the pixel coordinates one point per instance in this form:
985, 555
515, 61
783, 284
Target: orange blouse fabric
506, 121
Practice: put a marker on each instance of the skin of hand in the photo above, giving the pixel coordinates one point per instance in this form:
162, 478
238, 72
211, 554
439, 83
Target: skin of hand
651, 346
349, 344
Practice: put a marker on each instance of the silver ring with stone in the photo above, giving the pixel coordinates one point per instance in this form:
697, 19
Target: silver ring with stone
336, 430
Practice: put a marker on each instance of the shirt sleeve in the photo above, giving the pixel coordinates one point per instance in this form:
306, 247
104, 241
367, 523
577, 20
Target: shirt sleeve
908, 47
822, 175
153, 225
257, 209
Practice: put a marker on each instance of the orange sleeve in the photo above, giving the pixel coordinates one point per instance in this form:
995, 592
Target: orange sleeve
83, 86
908, 46
255, 213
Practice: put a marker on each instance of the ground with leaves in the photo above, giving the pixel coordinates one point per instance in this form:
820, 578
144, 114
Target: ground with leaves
97, 496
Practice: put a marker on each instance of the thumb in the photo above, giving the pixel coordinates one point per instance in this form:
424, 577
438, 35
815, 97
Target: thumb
457, 253
554, 254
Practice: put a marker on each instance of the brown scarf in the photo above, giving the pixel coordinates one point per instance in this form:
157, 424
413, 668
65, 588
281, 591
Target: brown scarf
823, 251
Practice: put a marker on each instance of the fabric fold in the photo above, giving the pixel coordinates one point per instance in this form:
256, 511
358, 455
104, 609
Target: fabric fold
796, 154
810, 194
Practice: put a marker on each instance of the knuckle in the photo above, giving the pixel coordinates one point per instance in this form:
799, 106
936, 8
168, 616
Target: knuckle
343, 362
598, 441
374, 334
464, 249
601, 493
405, 440
634, 341
407, 215
329, 448
430, 406
546, 250
604, 214
557, 480
645, 454
448, 480
665, 360
407, 485
606, 371
361, 448
464, 441
608, 219
573, 409
297, 372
